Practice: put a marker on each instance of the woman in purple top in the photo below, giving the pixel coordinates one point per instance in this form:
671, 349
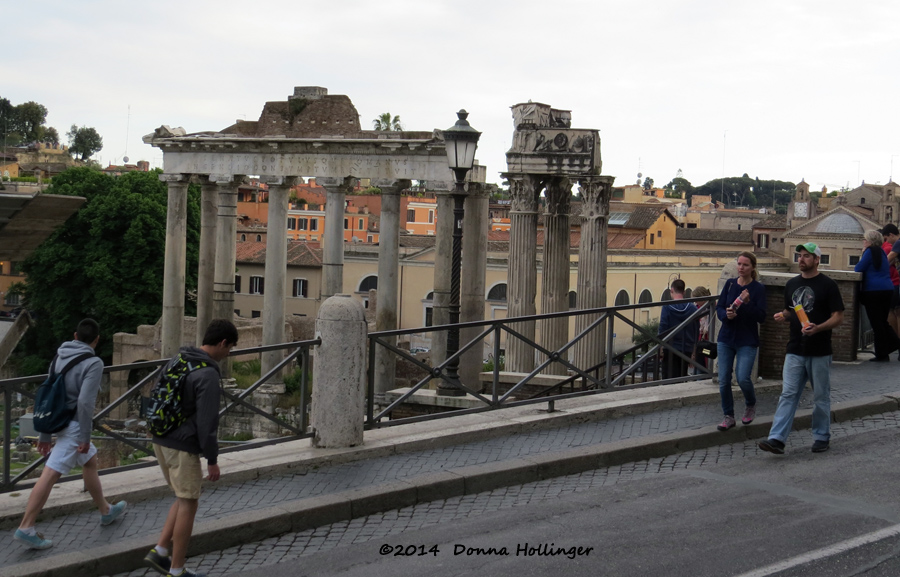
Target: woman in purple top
741, 307
877, 290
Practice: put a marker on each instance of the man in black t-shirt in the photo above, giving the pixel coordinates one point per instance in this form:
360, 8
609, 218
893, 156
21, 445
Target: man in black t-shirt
816, 297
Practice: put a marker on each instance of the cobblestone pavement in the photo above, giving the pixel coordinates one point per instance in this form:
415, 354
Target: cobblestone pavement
294, 545
82, 531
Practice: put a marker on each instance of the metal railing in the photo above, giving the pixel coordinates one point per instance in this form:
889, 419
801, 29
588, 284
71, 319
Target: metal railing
634, 367
26, 386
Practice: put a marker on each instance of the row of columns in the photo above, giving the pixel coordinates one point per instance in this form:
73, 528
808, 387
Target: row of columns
525, 191
218, 233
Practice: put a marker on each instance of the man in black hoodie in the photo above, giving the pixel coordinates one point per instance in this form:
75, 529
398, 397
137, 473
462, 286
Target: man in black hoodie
673, 314
179, 451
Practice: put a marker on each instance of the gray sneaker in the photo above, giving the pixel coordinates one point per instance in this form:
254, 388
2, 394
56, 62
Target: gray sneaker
819, 446
157, 562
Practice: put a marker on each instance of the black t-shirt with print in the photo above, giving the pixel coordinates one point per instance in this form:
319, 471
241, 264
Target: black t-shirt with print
820, 297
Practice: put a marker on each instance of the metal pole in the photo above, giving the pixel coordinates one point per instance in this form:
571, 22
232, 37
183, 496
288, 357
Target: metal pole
452, 388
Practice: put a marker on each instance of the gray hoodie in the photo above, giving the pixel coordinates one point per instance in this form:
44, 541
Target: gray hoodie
82, 386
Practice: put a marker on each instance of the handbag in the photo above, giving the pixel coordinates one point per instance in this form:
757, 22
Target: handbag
707, 349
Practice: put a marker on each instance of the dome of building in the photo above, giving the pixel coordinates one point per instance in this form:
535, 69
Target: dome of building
840, 223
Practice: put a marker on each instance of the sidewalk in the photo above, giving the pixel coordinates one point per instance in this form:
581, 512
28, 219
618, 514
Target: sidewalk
291, 486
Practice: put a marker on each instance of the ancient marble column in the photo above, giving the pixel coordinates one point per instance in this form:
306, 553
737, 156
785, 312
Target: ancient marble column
206, 269
226, 236
388, 265
276, 271
172, 329
333, 249
472, 291
443, 256
555, 270
591, 291
522, 271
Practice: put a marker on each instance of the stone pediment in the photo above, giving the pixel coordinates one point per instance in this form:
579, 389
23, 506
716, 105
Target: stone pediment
839, 221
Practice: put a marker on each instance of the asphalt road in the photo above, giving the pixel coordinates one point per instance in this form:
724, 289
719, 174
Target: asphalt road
830, 514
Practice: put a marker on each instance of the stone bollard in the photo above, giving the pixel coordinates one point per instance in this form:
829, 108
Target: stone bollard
339, 374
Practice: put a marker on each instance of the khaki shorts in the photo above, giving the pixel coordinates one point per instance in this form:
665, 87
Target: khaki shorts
182, 471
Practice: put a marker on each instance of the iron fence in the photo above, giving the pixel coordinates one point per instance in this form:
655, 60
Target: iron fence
637, 366
134, 403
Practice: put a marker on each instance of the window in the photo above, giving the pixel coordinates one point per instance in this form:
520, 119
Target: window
497, 293
622, 298
13, 300
259, 238
430, 216
825, 259
360, 227
428, 302
410, 215
368, 283
646, 297
762, 240
237, 283
853, 260
243, 238
254, 314
292, 223
692, 225
739, 227
369, 238
659, 233
302, 223
651, 238
862, 200
257, 285
573, 300
666, 296
314, 224
301, 286
346, 224
796, 257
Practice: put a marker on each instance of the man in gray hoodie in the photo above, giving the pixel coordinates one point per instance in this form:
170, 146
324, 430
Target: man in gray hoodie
73, 444
178, 452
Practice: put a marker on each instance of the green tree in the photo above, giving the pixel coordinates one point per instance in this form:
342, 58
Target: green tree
679, 185
29, 120
648, 183
106, 261
384, 122
50, 135
84, 141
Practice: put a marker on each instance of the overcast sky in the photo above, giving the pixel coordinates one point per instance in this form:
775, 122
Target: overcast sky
782, 89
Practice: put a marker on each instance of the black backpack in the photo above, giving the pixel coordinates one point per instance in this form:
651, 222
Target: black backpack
51, 413
166, 410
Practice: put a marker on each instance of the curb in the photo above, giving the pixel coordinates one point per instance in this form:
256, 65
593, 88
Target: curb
346, 505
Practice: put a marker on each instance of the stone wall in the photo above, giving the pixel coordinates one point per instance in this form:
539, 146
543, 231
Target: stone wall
774, 336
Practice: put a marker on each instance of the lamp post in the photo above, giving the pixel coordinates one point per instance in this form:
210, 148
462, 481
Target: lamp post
460, 140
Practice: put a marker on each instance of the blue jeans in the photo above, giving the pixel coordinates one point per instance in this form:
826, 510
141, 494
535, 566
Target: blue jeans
745, 357
797, 370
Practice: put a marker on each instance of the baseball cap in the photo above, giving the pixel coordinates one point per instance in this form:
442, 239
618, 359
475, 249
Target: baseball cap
810, 247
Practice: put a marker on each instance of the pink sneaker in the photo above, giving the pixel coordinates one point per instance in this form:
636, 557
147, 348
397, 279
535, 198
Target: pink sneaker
749, 415
726, 423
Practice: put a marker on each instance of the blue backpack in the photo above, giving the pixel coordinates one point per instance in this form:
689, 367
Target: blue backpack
51, 412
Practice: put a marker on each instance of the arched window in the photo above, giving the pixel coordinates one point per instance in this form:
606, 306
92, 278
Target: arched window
666, 296
622, 298
646, 297
243, 237
368, 283
428, 303
259, 238
497, 292
687, 293
429, 296
573, 300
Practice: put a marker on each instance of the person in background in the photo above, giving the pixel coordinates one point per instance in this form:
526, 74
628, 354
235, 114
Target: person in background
891, 238
703, 335
876, 293
673, 314
741, 308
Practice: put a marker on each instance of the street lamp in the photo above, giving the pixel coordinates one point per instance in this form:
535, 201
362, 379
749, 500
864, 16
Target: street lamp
460, 141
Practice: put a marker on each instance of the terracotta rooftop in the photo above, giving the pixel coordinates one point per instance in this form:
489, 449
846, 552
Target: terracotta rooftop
299, 253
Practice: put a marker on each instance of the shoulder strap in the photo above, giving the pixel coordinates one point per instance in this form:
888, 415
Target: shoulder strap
53, 366
75, 361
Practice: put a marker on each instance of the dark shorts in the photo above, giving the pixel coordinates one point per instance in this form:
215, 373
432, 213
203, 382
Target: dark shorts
895, 299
